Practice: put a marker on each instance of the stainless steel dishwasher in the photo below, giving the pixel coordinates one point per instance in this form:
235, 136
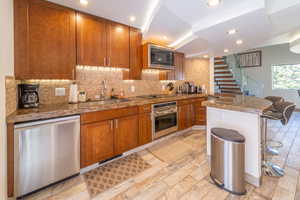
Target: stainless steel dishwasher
46, 152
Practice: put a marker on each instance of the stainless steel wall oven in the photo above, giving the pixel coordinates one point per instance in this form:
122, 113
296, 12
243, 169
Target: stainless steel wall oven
164, 119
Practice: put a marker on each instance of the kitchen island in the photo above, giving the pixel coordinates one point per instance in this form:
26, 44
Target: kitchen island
241, 113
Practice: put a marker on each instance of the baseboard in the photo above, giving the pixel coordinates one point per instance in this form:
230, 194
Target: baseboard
199, 127
252, 180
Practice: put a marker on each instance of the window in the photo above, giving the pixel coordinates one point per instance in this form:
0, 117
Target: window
286, 76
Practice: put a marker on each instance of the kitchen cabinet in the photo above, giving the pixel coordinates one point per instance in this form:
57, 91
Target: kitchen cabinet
117, 45
178, 72
91, 40
200, 112
145, 124
191, 112
108, 133
44, 36
126, 134
97, 142
102, 42
135, 71
179, 66
186, 116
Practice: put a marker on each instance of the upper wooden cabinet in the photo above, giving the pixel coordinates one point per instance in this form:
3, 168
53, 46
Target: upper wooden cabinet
44, 40
179, 66
135, 72
117, 45
102, 42
178, 72
91, 40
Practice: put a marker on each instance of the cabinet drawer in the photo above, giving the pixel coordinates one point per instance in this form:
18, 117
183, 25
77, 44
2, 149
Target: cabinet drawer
108, 114
199, 100
184, 102
145, 108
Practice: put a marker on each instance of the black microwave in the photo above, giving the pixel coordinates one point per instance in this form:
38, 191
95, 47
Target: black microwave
161, 57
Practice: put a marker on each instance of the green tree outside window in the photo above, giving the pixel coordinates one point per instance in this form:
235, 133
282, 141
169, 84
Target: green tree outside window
286, 76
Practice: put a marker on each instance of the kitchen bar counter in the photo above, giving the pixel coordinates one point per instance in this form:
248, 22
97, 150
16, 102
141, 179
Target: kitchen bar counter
243, 114
240, 103
60, 110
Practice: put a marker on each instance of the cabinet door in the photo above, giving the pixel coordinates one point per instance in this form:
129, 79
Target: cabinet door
145, 128
126, 133
182, 115
91, 40
190, 115
97, 142
44, 40
179, 66
200, 114
135, 71
117, 45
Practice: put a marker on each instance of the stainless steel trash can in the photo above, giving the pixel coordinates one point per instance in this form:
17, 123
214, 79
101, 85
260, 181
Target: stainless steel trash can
228, 160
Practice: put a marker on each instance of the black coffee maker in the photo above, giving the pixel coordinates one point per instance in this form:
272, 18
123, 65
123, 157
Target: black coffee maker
28, 95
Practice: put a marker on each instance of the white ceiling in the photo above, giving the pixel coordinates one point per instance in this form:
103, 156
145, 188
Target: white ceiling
196, 29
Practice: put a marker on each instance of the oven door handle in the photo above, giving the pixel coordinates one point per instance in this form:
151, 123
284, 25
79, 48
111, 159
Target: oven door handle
165, 114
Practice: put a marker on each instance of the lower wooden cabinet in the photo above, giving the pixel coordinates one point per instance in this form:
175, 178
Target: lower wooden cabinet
109, 133
145, 128
191, 112
126, 133
97, 142
200, 112
186, 116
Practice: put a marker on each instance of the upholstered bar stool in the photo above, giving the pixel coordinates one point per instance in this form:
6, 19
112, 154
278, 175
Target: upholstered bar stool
283, 113
273, 145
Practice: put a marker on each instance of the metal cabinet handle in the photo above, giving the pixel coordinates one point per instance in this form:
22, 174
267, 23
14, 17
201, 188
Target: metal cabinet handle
104, 61
109, 62
111, 125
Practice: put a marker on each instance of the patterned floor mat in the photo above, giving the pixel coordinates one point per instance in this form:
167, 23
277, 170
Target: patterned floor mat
111, 174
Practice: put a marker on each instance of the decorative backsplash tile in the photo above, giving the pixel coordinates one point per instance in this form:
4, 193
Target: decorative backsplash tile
11, 94
89, 80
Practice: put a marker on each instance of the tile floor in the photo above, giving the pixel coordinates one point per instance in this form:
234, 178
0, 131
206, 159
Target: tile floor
180, 170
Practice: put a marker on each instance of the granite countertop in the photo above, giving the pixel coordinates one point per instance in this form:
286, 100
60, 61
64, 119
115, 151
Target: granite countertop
60, 110
240, 103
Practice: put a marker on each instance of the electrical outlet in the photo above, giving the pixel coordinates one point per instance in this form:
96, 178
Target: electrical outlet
132, 88
60, 92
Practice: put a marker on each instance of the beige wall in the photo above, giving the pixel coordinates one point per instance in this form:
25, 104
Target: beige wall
6, 68
197, 70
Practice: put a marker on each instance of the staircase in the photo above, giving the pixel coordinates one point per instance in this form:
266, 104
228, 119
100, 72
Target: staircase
225, 84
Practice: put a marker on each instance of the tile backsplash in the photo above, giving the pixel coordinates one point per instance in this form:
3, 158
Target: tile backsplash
89, 80
11, 94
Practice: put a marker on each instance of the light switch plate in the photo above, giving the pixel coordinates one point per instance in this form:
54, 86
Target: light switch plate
60, 92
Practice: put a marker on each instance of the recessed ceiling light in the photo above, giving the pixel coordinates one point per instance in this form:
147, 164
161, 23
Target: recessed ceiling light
132, 18
165, 37
239, 42
84, 2
213, 3
231, 32
205, 56
226, 50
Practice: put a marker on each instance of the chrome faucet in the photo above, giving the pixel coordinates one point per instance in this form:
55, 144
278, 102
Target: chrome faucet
103, 90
